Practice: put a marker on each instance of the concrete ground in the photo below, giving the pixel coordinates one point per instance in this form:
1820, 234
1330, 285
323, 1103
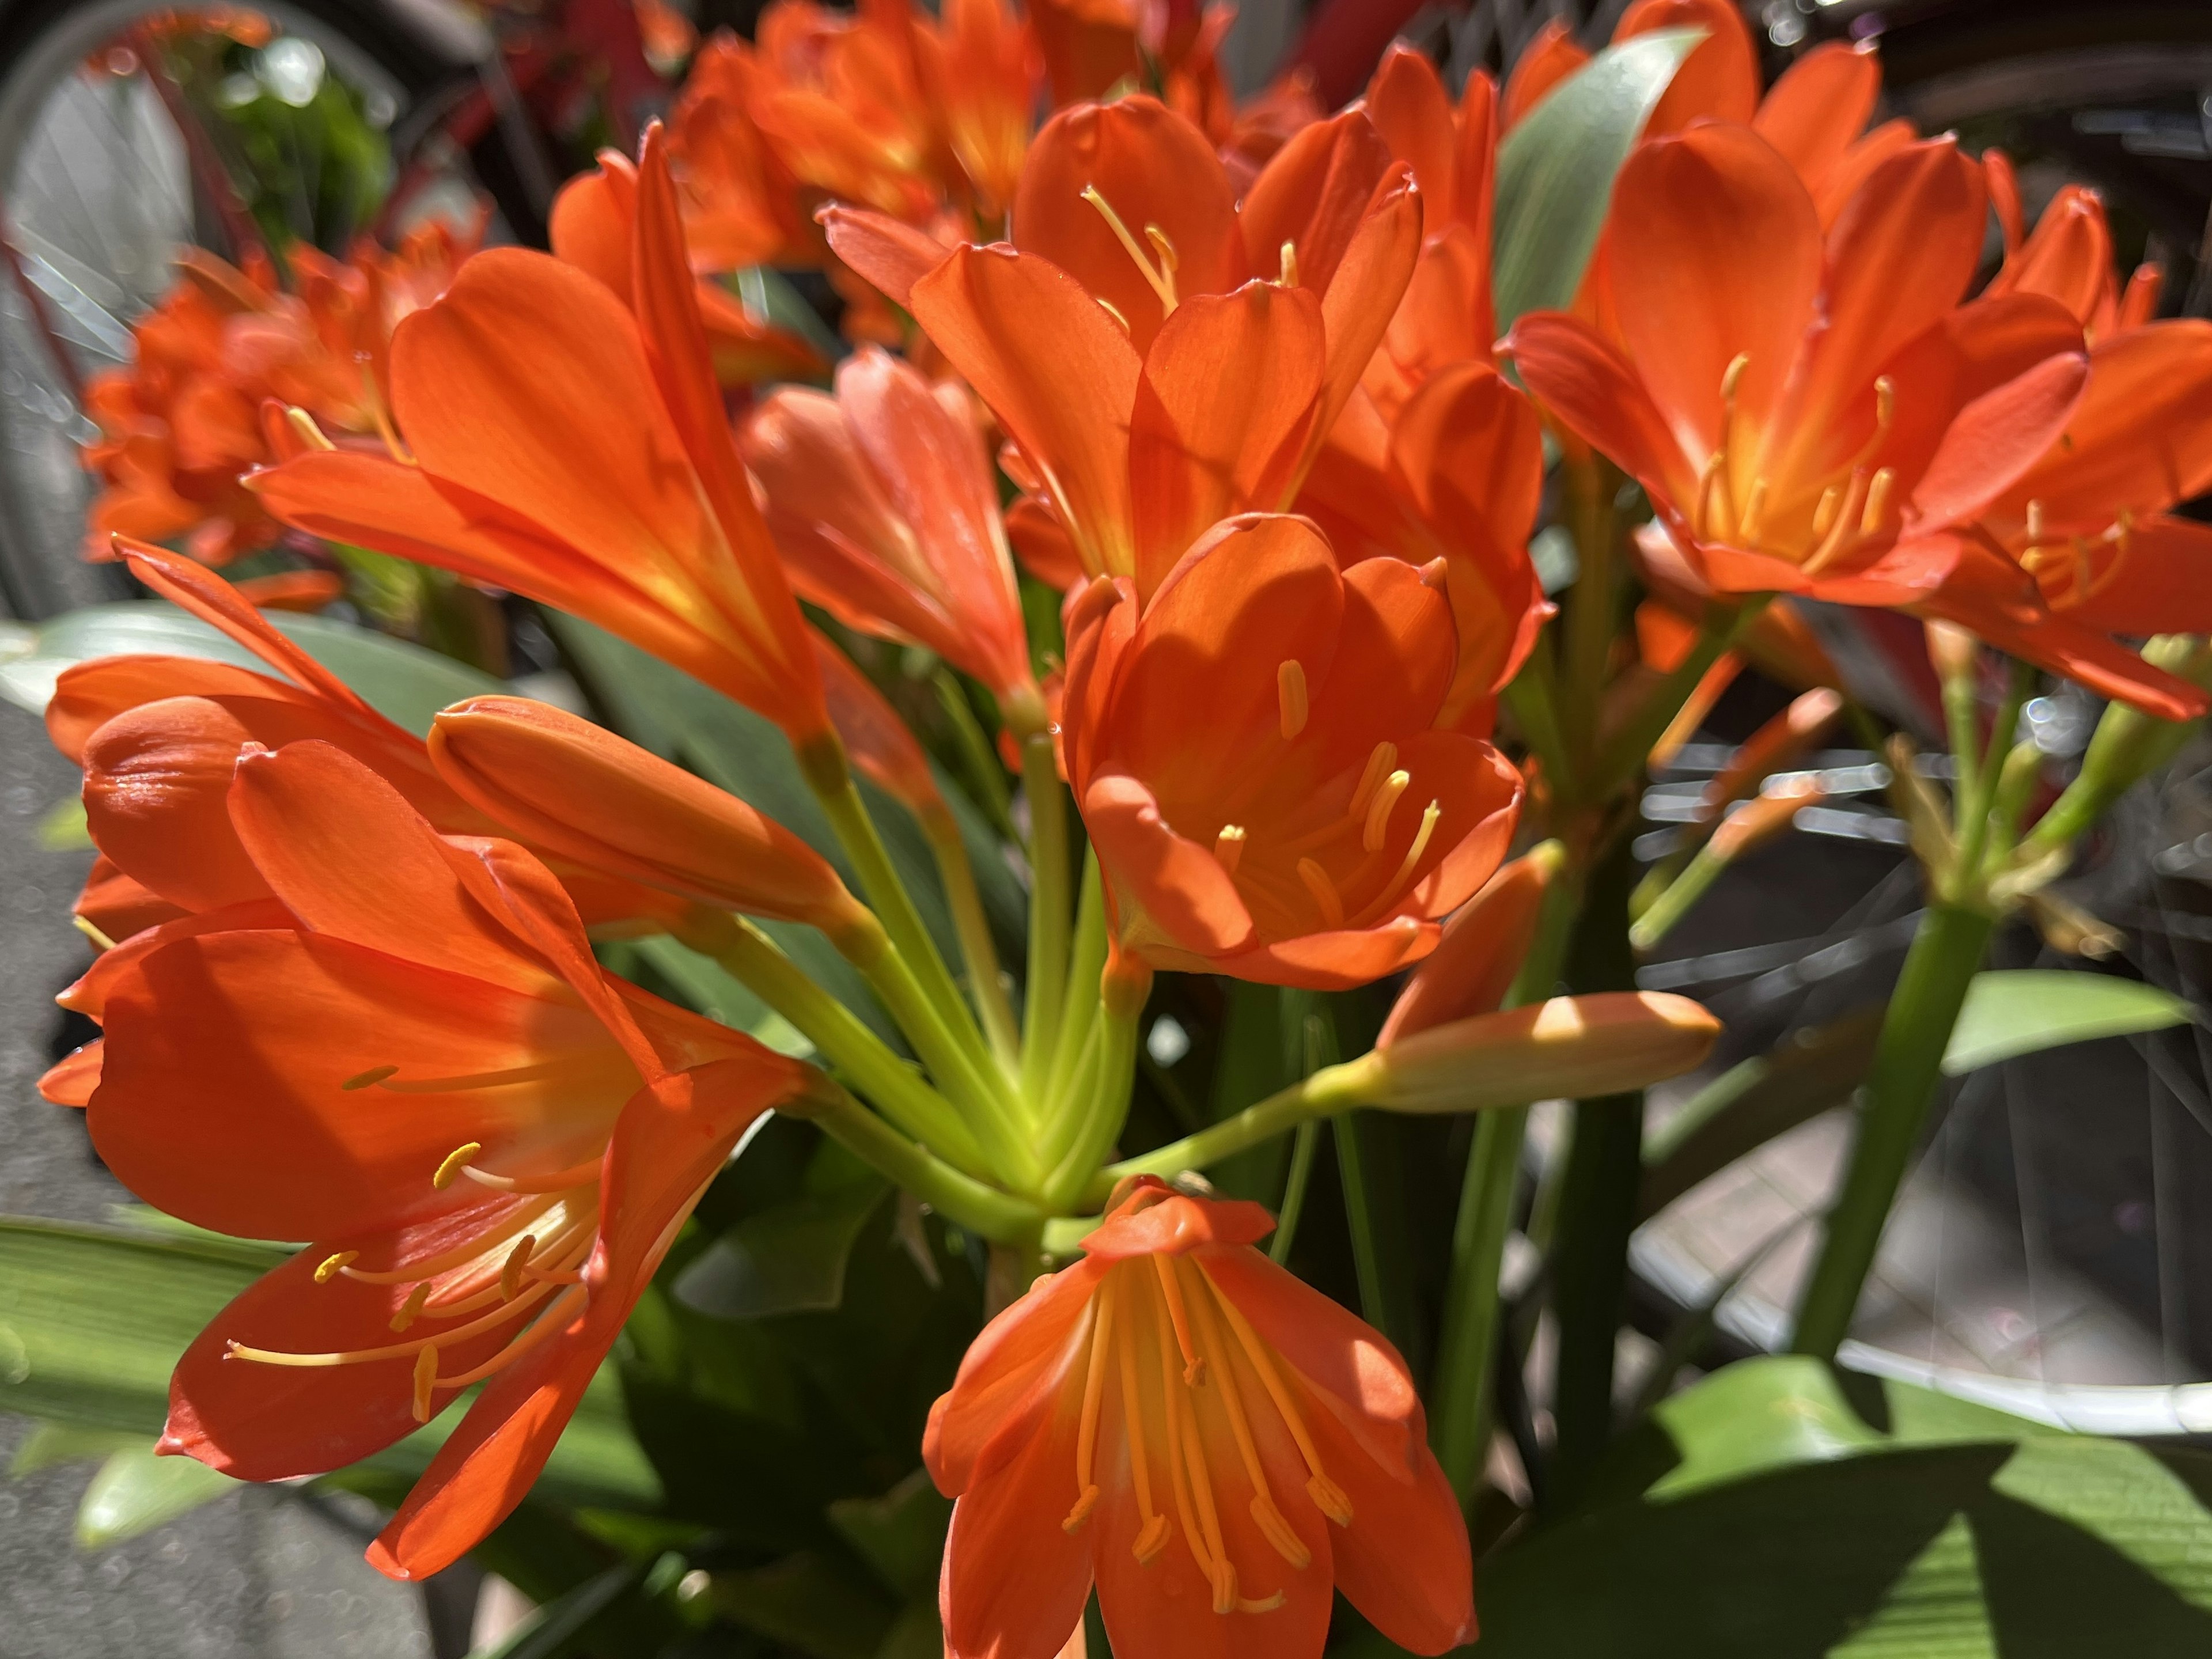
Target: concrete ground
261, 1573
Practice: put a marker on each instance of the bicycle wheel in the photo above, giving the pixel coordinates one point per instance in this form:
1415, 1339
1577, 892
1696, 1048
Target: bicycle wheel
102, 179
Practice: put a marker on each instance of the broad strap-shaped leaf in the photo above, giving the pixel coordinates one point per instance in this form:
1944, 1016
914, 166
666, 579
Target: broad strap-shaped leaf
403, 682
1556, 169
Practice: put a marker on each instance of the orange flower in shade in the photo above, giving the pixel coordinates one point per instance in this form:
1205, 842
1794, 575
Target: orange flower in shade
594, 227
407, 1054
2085, 543
980, 67
740, 202
1214, 1443
883, 504
1160, 355
839, 97
1313, 826
570, 449
184, 419
1805, 412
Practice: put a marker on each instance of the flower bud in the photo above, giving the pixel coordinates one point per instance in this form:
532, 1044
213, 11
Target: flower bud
1578, 1047
583, 793
1480, 951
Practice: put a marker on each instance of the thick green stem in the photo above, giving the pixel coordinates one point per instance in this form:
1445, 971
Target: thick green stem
1078, 1008
1946, 953
824, 765
1324, 1093
1048, 912
1972, 806
1093, 1115
1466, 1348
959, 1197
839, 1036
1597, 1207
976, 948
1593, 607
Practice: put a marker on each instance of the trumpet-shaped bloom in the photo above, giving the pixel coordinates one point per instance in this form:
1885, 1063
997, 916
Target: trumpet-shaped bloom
568, 785
1212, 1442
882, 502
159, 737
1160, 354
739, 201
1806, 412
569, 447
407, 1054
980, 66
1311, 828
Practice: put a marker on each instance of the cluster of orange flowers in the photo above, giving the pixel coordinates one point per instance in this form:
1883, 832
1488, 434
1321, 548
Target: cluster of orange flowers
1243, 371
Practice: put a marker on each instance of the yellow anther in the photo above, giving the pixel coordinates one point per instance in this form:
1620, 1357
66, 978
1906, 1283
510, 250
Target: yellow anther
456, 1161
1086, 1501
1160, 279
373, 1075
1289, 277
1229, 848
1377, 826
1732, 376
412, 1309
2034, 522
1114, 310
304, 423
1151, 1538
1325, 896
1328, 1497
1380, 760
1824, 515
1885, 403
426, 1379
1164, 248
1291, 697
510, 1273
1877, 500
1278, 1531
332, 1264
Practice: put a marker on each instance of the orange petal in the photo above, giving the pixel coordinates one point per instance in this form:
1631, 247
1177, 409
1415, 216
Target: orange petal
1995, 438
1819, 106
1315, 194
1718, 80
1060, 374
88, 695
2140, 440
2069, 258
1689, 207
157, 801
1179, 885
71, 1081
1009, 1374
1409, 106
2004, 196
1364, 291
1221, 414
881, 745
1153, 168
590, 224
2161, 584
587, 794
1581, 380
890, 253
1480, 954
1550, 59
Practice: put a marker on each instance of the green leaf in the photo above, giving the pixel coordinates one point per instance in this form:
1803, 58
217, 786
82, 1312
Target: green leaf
48, 1445
900, 1534
136, 1491
401, 681
2016, 1011
92, 1322
808, 1603
1556, 169
63, 829
791, 1257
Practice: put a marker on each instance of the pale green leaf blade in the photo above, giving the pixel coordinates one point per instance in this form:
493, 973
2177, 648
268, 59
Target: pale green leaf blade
136, 1491
2014, 1012
1556, 169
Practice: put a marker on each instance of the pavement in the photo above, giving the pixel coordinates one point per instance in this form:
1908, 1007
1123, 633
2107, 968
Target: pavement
260, 1573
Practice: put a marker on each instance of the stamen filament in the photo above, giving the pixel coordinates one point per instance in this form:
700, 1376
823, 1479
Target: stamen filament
304, 423
1271, 1520
1152, 1534
361, 1080
537, 1072
1289, 277
1161, 282
561, 1181
492, 1320
1324, 893
548, 1323
426, 1379
1328, 1496
1877, 500
1094, 1388
1194, 1363
1380, 760
519, 1218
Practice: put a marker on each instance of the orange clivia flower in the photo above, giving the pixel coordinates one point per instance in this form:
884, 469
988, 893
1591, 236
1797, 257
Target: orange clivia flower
1805, 412
980, 66
883, 503
739, 201
406, 1053
1214, 1443
562, 444
1160, 354
2085, 543
1314, 826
